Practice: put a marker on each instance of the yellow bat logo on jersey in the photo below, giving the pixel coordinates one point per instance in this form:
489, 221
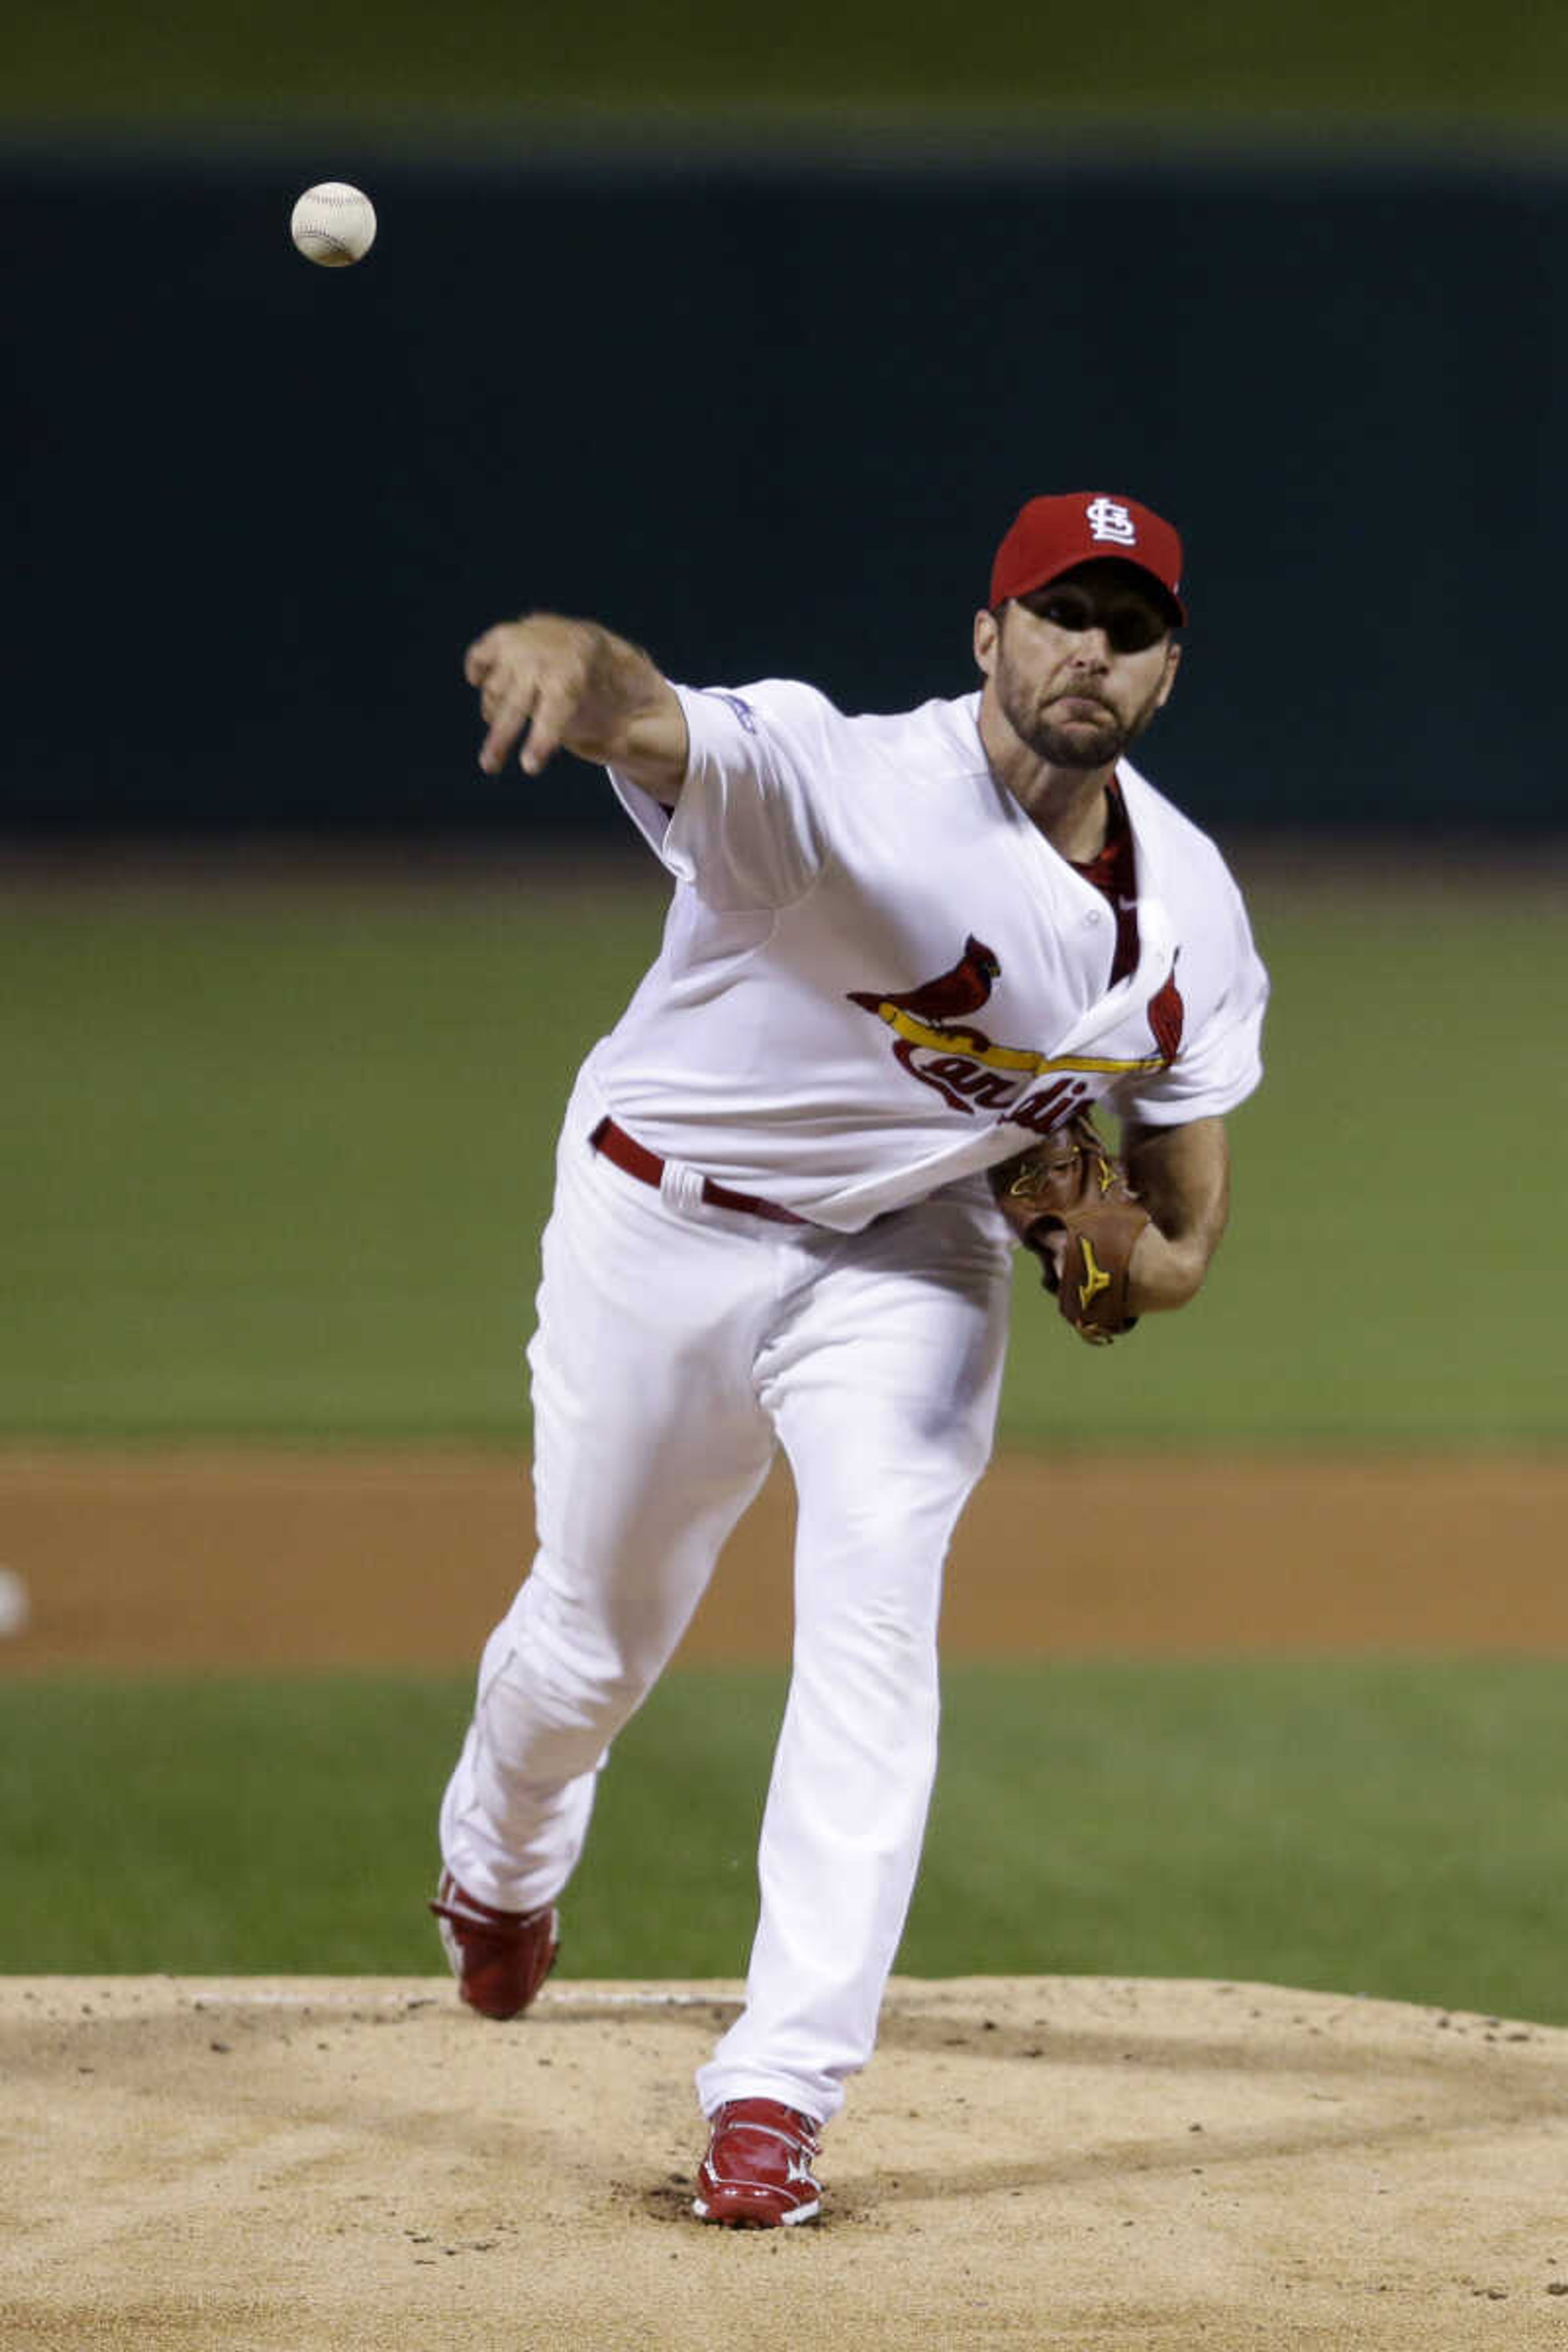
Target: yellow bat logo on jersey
971, 1072
1022, 1058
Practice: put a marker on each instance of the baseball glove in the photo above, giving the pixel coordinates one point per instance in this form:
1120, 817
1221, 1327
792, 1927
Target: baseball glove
1069, 1200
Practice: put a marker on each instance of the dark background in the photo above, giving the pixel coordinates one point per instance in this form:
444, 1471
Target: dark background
767, 415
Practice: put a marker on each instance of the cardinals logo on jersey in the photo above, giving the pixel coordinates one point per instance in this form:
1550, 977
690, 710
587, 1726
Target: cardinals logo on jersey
937, 1042
939, 1005
1167, 1016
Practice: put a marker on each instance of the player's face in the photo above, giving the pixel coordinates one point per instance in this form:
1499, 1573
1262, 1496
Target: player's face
1079, 668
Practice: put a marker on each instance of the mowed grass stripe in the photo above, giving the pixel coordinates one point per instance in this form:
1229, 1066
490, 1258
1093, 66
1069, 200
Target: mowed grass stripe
1379, 1826
277, 1164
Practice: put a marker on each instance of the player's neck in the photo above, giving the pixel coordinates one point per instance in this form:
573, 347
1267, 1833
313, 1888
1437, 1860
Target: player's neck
1067, 804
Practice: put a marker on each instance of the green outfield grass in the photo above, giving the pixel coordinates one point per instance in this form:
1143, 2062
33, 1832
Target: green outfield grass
276, 1165
1381, 1827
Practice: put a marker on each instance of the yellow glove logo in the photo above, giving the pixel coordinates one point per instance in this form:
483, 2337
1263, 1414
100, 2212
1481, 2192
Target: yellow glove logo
1095, 1279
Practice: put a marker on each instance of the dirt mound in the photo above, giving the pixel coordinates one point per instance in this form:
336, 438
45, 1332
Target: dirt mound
346, 2165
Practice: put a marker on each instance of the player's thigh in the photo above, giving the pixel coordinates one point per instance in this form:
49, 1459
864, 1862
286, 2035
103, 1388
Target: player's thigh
648, 1437
885, 1394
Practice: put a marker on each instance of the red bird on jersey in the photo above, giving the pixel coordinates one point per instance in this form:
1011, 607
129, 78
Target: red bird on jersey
1167, 1018
943, 1001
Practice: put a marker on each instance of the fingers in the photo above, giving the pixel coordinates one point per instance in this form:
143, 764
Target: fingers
554, 704
477, 661
509, 712
506, 670
530, 675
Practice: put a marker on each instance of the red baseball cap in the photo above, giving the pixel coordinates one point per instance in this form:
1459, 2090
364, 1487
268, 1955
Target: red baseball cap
1049, 536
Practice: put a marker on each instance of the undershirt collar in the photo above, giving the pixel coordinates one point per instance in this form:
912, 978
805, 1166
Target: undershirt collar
1113, 871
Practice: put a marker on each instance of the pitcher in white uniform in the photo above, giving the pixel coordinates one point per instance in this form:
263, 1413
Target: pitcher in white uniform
899, 951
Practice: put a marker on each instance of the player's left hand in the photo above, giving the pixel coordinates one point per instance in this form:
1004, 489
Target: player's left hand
1067, 1199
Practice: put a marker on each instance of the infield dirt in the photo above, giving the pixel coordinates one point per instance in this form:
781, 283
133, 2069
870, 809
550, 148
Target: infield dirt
253, 1560
345, 2166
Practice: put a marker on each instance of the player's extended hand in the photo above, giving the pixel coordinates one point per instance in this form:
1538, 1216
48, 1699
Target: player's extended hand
574, 686
536, 673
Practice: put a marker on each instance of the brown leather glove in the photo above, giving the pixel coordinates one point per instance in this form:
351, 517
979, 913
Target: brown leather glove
1069, 1200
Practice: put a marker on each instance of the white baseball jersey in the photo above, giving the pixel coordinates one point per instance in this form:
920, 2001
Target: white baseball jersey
878, 977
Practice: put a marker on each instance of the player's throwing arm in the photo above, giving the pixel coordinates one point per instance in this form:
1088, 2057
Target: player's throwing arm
555, 684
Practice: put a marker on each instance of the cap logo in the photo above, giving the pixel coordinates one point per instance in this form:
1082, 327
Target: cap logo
1107, 520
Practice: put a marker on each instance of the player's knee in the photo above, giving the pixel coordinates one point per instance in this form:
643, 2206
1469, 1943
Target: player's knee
873, 1659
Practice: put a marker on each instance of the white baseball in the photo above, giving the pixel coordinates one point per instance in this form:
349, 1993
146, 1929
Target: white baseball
333, 225
15, 1602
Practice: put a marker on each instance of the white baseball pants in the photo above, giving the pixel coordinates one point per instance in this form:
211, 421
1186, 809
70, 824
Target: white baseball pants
677, 1344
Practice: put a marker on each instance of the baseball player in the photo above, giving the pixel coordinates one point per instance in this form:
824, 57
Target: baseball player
904, 959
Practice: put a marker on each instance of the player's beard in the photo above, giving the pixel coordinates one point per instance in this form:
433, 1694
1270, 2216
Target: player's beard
1097, 746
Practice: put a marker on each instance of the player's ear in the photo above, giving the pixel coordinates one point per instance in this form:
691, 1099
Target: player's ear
1172, 663
988, 629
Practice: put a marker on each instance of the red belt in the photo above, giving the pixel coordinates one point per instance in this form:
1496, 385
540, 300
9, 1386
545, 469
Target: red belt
637, 1160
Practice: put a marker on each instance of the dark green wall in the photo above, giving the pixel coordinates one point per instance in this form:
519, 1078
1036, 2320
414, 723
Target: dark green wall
1293, 59
768, 416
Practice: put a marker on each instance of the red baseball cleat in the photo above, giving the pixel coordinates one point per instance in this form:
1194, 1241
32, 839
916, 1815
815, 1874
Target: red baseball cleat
757, 2172
500, 1957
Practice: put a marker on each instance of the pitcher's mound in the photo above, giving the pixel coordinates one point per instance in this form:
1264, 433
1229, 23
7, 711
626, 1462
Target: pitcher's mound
357, 2165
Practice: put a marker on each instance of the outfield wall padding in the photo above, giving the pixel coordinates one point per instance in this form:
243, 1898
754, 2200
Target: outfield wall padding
767, 416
